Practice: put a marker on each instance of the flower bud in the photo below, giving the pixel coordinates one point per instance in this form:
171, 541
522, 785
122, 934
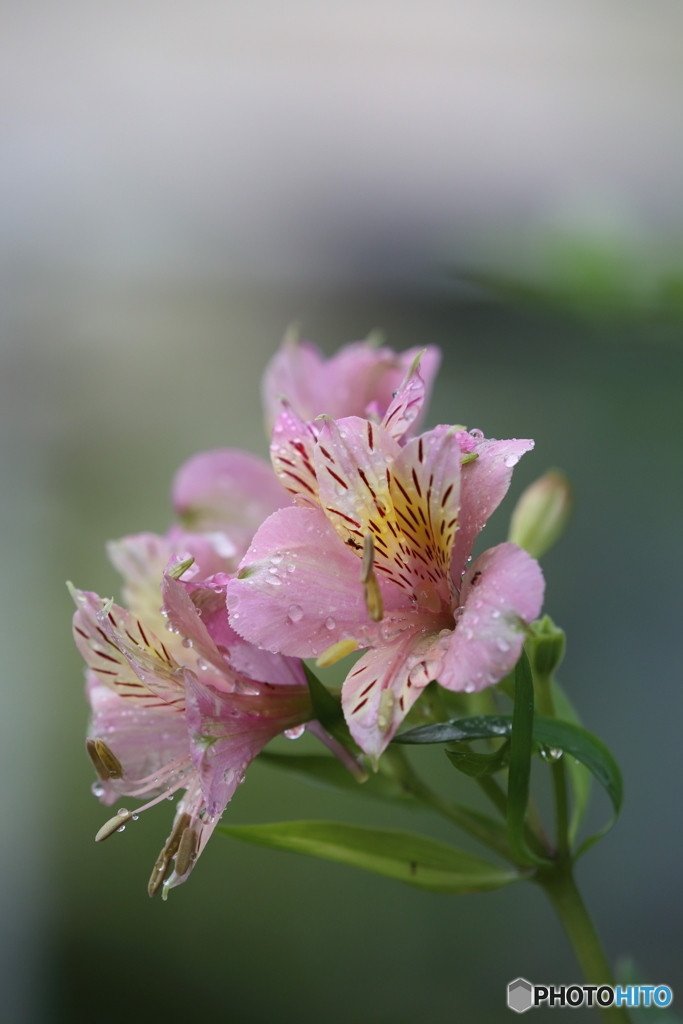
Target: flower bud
542, 513
545, 646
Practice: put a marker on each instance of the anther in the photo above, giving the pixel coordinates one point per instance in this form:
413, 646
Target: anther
186, 851
111, 826
386, 710
177, 571
336, 652
110, 761
373, 595
91, 750
163, 861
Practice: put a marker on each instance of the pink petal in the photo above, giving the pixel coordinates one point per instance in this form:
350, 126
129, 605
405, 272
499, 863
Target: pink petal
293, 373
144, 740
405, 409
484, 484
357, 376
301, 590
209, 599
502, 593
229, 729
125, 657
226, 490
402, 668
406, 497
185, 618
291, 453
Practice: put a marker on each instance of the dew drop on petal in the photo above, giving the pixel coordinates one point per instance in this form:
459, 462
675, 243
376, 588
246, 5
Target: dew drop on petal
186, 642
276, 559
274, 580
122, 829
295, 733
502, 645
495, 614
295, 613
97, 790
171, 628
511, 461
330, 623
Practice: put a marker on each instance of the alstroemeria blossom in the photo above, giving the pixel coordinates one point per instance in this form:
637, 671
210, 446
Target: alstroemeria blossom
358, 380
188, 710
412, 513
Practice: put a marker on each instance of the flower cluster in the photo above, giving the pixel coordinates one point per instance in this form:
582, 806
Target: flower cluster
358, 538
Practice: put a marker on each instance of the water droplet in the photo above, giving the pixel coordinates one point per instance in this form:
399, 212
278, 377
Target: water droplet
170, 796
171, 628
122, 829
97, 790
475, 432
330, 623
511, 461
295, 613
135, 817
164, 612
202, 665
274, 580
495, 614
276, 559
291, 567
295, 733
502, 645
550, 754
314, 651
469, 687
186, 642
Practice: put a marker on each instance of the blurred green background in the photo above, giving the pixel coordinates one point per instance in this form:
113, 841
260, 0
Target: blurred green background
181, 183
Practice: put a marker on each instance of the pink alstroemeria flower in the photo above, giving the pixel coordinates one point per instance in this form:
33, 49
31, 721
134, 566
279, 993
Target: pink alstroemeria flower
358, 380
411, 514
186, 712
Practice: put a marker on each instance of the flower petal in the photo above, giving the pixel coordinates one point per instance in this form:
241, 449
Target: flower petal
484, 484
226, 490
406, 497
502, 593
358, 375
406, 405
384, 684
300, 589
125, 657
229, 729
144, 740
291, 453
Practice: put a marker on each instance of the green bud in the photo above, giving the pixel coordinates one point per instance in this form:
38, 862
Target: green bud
542, 513
545, 646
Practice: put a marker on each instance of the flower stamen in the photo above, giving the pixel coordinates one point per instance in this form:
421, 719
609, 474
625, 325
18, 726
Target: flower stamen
170, 848
373, 595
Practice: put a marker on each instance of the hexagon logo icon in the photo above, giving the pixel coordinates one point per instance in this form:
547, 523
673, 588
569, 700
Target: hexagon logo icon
520, 996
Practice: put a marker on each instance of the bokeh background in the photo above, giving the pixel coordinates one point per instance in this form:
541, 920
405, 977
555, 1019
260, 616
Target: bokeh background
179, 182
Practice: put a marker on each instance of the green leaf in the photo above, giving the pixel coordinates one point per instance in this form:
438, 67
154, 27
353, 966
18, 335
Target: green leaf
404, 856
574, 740
580, 778
578, 743
328, 773
478, 727
519, 774
475, 765
328, 710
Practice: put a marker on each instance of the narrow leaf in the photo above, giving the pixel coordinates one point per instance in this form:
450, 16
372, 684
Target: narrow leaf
580, 778
519, 774
404, 856
475, 765
574, 740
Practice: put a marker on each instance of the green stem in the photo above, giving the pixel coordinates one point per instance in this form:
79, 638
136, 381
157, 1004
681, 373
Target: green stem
546, 706
560, 887
487, 830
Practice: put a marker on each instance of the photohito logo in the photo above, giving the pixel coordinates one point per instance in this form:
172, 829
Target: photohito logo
522, 995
